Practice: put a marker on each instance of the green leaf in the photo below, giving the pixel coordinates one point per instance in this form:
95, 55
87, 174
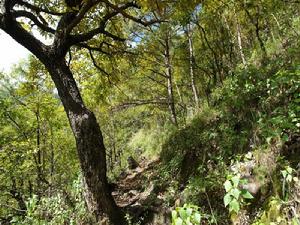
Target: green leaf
289, 178
285, 137
234, 206
284, 173
236, 193
268, 139
174, 215
188, 221
227, 185
235, 180
179, 221
182, 214
227, 199
289, 170
249, 155
243, 181
246, 194
189, 211
295, 221
197, 217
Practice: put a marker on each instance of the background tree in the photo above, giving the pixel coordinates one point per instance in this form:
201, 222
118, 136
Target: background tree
36, 149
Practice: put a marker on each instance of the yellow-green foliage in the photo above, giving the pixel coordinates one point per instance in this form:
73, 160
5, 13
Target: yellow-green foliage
272, 215
189, 137
148, 141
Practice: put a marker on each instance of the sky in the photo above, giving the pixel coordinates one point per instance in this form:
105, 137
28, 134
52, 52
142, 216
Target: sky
10, 52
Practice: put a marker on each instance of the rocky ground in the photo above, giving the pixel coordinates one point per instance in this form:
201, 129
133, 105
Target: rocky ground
139, 195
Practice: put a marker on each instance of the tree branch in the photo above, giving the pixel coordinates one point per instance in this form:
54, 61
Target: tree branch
17, 32
101, 28
16, 124
84, 9
128, 16
91, 48
159, 73
8, 6
38, 9
98, 67
34, 19
136, 103
157, 81
114, 37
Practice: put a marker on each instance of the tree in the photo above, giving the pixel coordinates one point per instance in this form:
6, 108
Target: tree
71, 24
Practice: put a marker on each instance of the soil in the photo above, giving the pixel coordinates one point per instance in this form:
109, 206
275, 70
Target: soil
141, 196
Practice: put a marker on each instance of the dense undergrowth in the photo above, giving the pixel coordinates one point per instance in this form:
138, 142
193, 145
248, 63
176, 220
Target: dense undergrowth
256, 112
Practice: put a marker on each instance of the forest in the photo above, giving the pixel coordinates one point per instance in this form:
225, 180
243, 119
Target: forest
151, 112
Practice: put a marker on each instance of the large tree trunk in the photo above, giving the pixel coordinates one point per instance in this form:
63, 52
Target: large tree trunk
89, 142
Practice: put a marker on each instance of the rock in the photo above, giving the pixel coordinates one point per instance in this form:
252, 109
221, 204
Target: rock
132, 164
252, 185
112, 187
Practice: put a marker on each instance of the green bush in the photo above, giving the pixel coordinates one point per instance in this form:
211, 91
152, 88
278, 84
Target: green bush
186, 215
59, 208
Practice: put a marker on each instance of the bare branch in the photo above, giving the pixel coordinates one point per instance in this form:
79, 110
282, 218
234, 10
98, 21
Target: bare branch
157, 81
136, 103
15, 30
70, 58
101, 28
34, 19
159, 73
128, 16
91, 48
98, 67
84, 9
38, 9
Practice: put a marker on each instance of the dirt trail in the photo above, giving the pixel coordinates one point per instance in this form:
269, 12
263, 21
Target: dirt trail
137, 193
